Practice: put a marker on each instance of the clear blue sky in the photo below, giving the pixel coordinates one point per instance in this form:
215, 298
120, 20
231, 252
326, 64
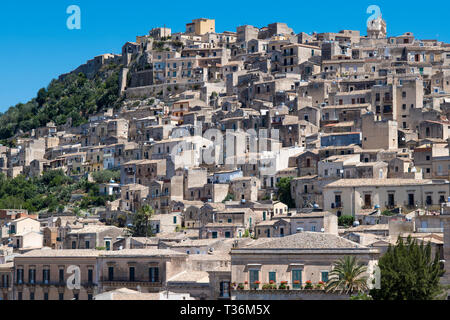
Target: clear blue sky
37, 46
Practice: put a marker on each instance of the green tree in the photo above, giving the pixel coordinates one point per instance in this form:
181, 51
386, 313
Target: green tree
409, 272
106, 176
345, 221
141, 222
229, 197
284, 192
347, 276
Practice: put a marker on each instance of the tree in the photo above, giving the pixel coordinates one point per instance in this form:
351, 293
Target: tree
141, 222
347, 276
284, 191
106, 176
345, 221
409, 272
229, 197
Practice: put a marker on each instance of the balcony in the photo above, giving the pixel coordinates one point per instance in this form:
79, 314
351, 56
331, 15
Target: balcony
430, 230
284, 291
282, 285
337, 205
124, 283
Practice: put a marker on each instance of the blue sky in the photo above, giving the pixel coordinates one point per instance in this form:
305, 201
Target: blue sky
37, 46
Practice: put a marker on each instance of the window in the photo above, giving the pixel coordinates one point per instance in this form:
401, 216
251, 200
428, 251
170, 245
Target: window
411, 199
337, 200
296, 279
61, 275
227, 234
111, 274
90, 276
214, 234
108, 245
89, 296
75, 296
131, 273
272, 277
19, 276
254, 277
19, 296
429, 200
153, 274
31, 295
391, 200
74, 244
367, 200
324, 276
61, 296
87, 245
224, 289
32, 276
45, 295
5, 281
46, 276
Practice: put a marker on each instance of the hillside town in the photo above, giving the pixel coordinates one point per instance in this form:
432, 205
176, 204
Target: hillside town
246, 163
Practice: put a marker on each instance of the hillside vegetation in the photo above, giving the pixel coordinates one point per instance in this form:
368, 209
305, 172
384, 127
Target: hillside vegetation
53, 191
73, 95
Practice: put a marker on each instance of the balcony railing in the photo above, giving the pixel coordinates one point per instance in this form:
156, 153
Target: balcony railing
430, 230
283, 285
337, 205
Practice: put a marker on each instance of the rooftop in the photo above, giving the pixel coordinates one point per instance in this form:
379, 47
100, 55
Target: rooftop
307, 240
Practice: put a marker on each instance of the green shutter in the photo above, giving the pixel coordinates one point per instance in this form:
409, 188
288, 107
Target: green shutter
273, 277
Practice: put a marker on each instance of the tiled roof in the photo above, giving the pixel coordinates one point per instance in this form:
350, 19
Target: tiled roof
308, 240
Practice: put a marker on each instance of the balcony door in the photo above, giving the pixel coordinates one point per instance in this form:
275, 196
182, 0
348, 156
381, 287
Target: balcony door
254, 276
296, 278
391, 200
367, 200
224, 289
411, 199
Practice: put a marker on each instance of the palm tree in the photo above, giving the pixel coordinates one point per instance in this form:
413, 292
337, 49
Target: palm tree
347, 276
